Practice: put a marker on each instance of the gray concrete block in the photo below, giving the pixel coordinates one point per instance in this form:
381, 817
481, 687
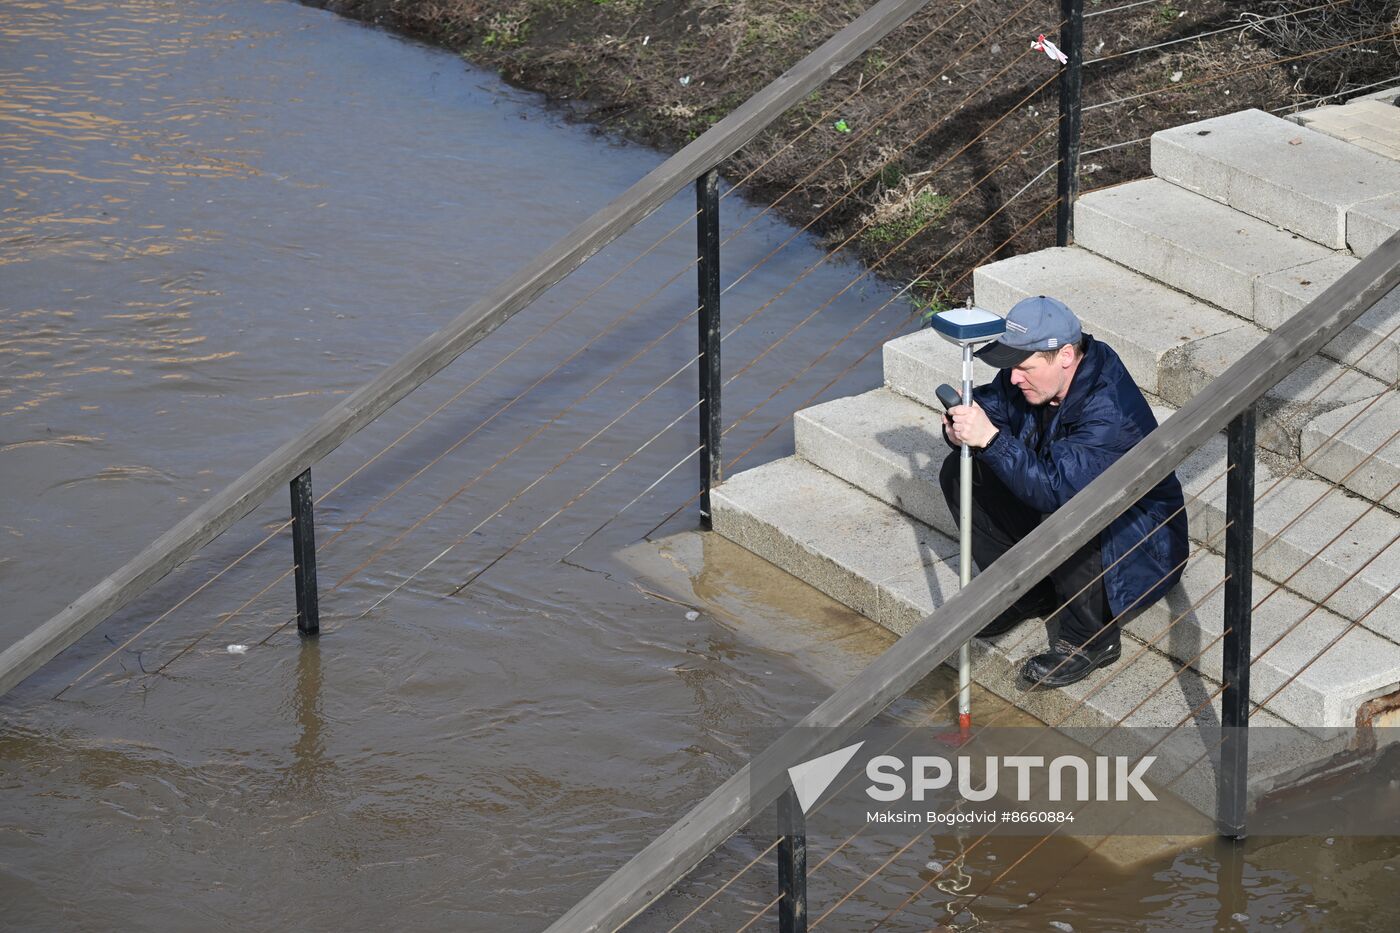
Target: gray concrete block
1355, 445
917, 364
1322, 666
1371, 223
1371, 344
1385, 95
1308, 536
1188, 241
891, 448
1317, 386
1267, 167
883, 443
1295, 178
1146, 323
827, 533
1129, 708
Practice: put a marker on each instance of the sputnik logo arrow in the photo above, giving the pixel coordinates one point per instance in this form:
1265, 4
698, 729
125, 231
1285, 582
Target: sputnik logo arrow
811, 778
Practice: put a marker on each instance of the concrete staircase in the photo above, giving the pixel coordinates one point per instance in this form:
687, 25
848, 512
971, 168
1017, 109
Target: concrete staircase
1246, 219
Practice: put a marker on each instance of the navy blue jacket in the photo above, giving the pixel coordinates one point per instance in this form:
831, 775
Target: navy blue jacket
1101, 418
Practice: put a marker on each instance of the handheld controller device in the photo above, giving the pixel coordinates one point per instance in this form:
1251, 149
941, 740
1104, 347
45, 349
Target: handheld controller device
948, 396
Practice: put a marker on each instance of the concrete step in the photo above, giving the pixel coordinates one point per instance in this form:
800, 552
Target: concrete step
877, 560
1371, 344
1188, 241
1152, 327
1372, 223
884, 564
1296, 519
891, 448
1172, 345
1371, 123
1155, 706
1292, 177
1348, 459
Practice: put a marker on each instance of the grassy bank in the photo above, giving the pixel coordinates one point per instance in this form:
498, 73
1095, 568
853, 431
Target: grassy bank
908, 158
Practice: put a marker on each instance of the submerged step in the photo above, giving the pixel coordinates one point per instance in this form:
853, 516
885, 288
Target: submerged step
1290, 176
1188, 241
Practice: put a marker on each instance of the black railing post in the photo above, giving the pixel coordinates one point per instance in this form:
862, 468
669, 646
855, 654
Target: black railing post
1233, 777
304, 555
707, 240
1071, 116
792, 865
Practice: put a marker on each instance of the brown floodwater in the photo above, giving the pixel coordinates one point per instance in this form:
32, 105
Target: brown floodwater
220, 217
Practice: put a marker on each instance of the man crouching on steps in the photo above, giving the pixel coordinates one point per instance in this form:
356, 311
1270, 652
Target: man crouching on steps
1061, 410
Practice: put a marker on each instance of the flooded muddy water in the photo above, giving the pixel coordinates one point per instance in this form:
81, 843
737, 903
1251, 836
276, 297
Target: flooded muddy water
218, 218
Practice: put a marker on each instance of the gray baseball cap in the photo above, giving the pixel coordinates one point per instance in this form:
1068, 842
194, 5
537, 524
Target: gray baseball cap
1033, 325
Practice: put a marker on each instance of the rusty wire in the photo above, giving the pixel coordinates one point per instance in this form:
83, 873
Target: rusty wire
1240, 27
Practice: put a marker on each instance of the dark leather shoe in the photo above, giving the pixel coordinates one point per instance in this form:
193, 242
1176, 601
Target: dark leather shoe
1014, 616
1066, 663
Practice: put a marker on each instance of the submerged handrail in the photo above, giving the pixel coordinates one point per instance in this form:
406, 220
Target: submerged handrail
431, 355
651, 872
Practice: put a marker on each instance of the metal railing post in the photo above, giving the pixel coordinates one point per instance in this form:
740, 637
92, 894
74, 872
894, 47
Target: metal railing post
304, 555
1232, 780
1071, 116
792, 865
707, 242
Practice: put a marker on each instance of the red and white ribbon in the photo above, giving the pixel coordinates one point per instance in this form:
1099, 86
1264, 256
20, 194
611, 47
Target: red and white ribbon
1050, 49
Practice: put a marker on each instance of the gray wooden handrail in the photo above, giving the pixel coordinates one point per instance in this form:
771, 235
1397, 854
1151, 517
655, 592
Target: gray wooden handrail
414, 368
675, 852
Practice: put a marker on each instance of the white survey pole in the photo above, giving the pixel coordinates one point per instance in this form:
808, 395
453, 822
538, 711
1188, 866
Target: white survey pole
966, 327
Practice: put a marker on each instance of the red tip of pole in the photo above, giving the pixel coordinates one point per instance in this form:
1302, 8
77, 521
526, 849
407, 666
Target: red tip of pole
962, 736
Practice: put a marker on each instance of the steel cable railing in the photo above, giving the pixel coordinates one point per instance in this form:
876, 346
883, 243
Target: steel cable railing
1193, 661
1274, 538
1239, 71
674, 375
869, 128
993, 251
641, 400
901, 325
1012, 649
291, 462
1240, 27
1262, 704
